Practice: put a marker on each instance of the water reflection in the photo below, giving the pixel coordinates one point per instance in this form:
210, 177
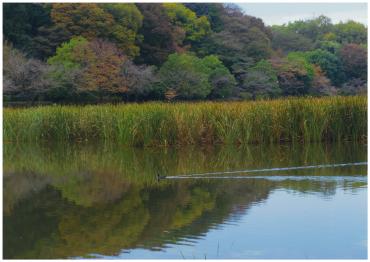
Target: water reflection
103, 200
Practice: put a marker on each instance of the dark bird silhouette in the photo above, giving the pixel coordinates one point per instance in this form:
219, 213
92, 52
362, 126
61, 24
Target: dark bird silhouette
159, 177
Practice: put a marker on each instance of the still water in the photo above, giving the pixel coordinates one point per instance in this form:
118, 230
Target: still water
106, 201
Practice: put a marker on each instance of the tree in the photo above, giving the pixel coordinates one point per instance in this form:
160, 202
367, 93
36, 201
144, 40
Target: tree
23, 78
49, 37
212, 11
329, 63
186, 75
260, 81
115, 22
194, 27
67, 70
298, 59
100, 62
294, 74
355, 86
330, 46
70, 54
321, 85
314, 29
141, 81
202, 51
220, 78
288, 41
102, 74
242, 40
87, 20
354, 59
160, 37
223, 83
127, 21
350, 32
21, 23
65, 85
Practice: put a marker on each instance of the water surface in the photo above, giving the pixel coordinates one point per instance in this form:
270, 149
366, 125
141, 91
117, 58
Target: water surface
106, 201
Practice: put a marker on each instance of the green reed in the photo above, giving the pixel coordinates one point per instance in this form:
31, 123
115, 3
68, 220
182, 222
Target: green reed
153, 124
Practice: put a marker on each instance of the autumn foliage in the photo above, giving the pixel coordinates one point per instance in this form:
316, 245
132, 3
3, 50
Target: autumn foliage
93, 52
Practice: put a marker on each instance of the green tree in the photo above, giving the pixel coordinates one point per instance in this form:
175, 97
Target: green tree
194, 78
22, 21
194, 27
260, 82
127, 21
49, 37
67, 54
288, 41
66, 71
330, 46
212, 11
115, 22
220, 78
329, 63
244, 39
186, 75
314, 29
350, 32
299, 60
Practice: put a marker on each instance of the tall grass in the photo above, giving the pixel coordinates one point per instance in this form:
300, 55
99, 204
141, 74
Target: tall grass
151, 124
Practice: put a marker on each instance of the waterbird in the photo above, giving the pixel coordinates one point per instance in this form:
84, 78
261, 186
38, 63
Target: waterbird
159, 177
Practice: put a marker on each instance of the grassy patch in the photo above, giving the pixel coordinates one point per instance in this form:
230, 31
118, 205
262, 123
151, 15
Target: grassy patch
153, 124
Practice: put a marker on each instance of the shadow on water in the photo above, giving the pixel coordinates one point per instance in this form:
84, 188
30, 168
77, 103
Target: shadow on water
74, 201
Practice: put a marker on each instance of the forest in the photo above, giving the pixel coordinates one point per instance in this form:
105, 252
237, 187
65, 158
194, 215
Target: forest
121, 52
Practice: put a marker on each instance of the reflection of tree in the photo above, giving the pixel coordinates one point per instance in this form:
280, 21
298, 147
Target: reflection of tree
101, 230
132, 220
93, 188
79, 201
230, 198
58, 228
308, 186
19, 186
33, 221
76, 231
199, 202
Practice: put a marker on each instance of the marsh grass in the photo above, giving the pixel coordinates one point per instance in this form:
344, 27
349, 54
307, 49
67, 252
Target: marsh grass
162, 124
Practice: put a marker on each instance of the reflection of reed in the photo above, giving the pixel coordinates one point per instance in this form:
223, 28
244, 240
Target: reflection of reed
143, 165
94, 174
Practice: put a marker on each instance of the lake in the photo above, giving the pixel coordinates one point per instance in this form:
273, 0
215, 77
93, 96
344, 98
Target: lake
107, 201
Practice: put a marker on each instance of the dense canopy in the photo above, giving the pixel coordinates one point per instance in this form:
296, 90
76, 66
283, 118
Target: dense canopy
94, 52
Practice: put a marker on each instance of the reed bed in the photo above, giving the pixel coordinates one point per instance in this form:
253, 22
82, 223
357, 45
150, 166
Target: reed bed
162, 124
